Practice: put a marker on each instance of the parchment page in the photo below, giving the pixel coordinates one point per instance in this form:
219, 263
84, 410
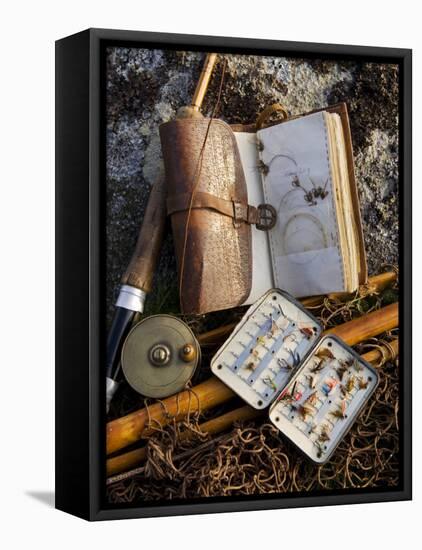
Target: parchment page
297, 181
262, 271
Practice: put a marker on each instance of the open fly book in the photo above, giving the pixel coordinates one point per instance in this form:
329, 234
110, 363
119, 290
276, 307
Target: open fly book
303, 169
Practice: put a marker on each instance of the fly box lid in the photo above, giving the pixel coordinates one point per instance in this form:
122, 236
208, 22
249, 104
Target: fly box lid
323, 399
266, 348
316, 386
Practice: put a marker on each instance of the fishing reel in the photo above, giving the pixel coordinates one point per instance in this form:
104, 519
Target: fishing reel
159, 356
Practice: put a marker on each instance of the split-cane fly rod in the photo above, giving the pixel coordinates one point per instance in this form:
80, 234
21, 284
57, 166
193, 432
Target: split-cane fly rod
137, 279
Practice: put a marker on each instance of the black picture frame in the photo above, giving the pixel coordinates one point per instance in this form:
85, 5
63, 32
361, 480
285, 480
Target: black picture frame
80, 395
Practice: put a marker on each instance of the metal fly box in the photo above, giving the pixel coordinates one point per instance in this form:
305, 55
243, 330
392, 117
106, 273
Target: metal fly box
266, 348
317, 386
323, 399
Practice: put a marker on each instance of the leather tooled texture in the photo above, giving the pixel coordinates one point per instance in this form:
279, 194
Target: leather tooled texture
217, 272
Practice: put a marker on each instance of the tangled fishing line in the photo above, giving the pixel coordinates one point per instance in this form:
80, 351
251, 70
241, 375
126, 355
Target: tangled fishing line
253, 458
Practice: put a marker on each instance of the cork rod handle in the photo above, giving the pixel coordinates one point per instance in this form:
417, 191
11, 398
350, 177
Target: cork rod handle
141, 268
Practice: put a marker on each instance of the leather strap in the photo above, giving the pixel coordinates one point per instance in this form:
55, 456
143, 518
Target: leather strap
268, 112
238, 210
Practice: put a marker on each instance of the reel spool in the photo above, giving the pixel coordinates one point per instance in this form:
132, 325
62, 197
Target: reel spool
159, 356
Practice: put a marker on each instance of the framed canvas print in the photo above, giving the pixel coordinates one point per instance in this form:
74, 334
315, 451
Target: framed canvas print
233, 274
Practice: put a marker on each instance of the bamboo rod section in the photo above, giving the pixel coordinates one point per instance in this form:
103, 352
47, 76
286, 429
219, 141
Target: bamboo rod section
374, 285
368, 326
126, 461
204, 79
383, 353
129, 429
216, 335
129, 460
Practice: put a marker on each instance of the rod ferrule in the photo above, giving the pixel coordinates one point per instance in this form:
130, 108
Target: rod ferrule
111, 387
131, 298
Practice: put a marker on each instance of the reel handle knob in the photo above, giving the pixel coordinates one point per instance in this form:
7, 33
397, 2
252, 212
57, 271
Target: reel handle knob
188, 353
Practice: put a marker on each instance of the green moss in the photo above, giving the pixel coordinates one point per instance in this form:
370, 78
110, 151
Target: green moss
389, 296
164, 299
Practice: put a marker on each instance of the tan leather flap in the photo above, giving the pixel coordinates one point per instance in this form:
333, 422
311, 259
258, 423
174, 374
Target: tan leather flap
203, 181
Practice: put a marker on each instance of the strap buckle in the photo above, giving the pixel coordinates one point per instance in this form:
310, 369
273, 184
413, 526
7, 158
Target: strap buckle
238, 213
263, 216
267, 217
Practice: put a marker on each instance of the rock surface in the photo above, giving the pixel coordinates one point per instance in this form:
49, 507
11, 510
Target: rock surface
146, 87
